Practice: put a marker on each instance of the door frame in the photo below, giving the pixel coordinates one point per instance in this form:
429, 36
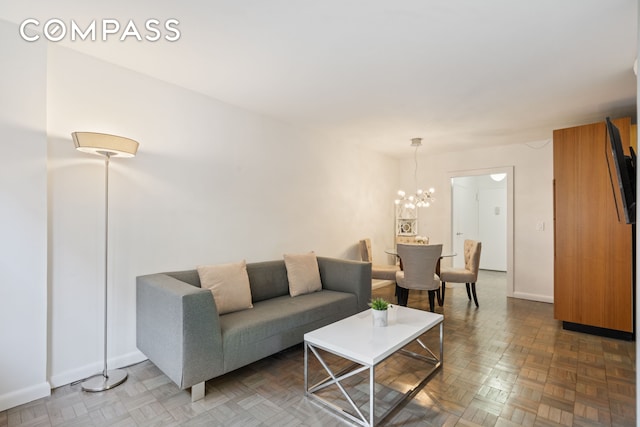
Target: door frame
487, 171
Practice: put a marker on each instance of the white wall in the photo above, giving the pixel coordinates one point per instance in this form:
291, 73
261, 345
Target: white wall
533, 203
23, 221
493, 228
488, 214
211, 183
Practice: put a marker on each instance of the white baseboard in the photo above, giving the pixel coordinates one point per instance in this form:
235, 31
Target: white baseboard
67, 377
533, 297
25, 395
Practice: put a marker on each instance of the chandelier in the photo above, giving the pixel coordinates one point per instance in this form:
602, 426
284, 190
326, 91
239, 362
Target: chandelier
421, 198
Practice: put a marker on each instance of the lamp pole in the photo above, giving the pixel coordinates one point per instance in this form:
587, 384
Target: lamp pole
107, 146
108, 379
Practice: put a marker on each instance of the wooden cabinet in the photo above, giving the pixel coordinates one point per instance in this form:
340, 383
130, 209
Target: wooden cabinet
593, 288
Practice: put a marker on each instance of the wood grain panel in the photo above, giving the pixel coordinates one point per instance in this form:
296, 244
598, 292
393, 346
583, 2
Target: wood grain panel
593, 275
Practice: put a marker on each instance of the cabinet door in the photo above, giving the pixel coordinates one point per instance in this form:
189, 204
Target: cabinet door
593, 270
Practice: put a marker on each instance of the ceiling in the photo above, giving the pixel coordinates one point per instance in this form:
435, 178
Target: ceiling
458, 73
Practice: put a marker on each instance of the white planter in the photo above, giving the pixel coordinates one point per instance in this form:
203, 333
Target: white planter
379, 317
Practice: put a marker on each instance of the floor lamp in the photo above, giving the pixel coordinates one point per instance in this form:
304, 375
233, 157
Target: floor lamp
107, 146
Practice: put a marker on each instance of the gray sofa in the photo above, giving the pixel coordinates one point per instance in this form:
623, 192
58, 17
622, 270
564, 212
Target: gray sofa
180, 331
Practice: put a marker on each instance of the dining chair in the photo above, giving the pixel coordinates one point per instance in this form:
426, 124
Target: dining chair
467, 275
378, 271
419, 266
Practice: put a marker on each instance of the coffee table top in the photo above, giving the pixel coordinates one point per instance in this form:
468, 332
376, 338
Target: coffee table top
356, 338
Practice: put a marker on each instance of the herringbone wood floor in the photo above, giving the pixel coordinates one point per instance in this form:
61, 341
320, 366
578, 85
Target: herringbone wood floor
507, 363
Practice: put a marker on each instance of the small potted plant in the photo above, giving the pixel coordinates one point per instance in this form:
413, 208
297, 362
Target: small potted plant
379, 308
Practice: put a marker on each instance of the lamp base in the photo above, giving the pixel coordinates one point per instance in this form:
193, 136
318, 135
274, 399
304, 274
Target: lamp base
101, 383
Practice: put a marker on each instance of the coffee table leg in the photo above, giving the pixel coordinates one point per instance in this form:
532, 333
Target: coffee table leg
372, 396
306, 368
441, 342
335, 379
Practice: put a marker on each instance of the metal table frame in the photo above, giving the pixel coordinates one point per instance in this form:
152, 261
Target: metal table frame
358, 367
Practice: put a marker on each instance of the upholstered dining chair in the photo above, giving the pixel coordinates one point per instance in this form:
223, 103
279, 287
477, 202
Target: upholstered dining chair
419, 271
378, 271
467, 275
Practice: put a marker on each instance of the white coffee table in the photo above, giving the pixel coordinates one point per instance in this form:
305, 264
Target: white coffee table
356, 339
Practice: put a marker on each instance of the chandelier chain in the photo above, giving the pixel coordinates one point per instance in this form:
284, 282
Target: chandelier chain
415, 169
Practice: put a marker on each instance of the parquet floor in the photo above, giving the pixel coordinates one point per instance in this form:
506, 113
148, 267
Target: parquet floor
508, 363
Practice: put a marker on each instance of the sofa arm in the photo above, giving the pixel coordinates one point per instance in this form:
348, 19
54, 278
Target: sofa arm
178, 329
347, 276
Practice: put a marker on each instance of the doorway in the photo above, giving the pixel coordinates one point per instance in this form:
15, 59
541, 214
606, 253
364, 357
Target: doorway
482, 209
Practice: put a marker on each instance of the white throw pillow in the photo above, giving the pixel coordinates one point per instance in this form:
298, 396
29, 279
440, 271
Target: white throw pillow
229, 284
303, 273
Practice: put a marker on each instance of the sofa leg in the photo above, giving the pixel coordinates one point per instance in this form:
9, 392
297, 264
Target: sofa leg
197, 391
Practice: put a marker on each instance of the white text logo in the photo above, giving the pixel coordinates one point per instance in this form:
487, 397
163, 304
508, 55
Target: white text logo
56, 29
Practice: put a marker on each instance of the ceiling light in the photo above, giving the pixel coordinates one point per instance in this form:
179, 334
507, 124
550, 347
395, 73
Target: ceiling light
421, 198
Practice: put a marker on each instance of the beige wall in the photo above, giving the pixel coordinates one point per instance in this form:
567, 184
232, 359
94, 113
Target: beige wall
532, 197
211, 183
23, 221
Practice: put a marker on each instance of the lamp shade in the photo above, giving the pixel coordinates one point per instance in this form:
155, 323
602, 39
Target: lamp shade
104, 144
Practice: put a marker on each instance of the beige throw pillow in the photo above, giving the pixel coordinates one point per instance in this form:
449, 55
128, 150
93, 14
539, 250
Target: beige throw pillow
229, 284
303, 273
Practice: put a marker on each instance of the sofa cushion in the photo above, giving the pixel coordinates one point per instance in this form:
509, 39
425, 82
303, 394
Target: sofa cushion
268, 279
303, 273
275, 324
229, 284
